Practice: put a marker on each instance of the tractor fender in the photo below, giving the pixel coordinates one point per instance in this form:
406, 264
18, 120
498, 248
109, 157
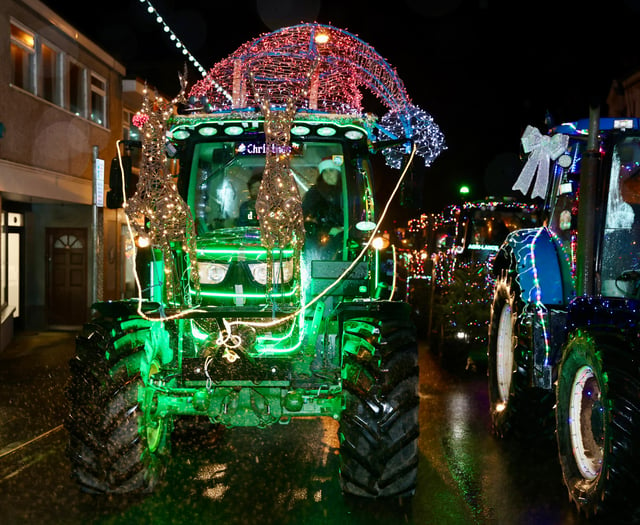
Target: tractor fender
124, 308
532, 255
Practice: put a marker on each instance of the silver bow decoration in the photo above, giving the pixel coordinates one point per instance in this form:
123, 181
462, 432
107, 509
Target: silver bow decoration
541, 149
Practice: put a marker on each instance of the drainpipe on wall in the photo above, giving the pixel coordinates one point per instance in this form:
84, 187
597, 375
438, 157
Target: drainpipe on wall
97, 227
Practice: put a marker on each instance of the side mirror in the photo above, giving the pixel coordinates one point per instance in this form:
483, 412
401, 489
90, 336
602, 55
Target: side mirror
118, 184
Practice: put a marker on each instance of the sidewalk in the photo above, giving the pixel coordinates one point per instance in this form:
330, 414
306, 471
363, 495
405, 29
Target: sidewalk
34, 371
33, 343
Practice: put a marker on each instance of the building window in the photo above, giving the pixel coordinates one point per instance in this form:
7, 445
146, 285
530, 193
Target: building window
67, 241
22, 58
50, 74
127, 123
76, 85
98, 100
132, 133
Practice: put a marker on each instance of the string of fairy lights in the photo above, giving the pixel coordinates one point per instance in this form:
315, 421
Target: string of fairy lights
180, 46
306, 67
156, 210
337, 65
265, 73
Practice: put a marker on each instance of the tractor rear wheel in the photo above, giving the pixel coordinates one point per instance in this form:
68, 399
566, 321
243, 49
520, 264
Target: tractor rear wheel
379, 426
598, 422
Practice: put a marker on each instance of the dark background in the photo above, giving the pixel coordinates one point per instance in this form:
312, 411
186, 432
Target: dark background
484, 69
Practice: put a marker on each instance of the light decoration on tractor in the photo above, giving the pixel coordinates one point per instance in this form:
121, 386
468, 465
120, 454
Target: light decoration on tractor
313, 68
343, 65
309, 67
157, 210
538, 304
278, 205
542, 149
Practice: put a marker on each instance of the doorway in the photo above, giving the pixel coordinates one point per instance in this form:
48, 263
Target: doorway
66, 276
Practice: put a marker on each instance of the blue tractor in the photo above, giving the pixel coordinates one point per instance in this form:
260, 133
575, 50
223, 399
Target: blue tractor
564, 332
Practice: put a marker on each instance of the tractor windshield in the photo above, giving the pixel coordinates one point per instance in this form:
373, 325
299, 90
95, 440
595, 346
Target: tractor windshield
226, 175
620, 266
486, 225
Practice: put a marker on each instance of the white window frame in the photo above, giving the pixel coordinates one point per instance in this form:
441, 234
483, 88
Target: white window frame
58, 78
127, 116
83, 95
34, 78
100, 92
31, 52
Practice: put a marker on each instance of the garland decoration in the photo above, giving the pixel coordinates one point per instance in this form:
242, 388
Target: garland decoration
156, 209
344, 64
411, 122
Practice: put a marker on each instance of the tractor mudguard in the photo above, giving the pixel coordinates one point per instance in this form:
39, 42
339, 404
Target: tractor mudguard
125, 308
537, 265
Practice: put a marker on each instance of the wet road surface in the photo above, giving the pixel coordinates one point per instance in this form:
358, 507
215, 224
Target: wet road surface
282, 474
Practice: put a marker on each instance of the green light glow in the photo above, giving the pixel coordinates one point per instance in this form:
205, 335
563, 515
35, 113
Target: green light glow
300, 130
267, 351
247, 295
326, 131
236, 251
181, 134
207, 131
263, 338
197, 333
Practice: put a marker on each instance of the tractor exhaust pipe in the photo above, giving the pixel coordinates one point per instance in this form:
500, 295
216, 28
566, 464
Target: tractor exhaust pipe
586, 216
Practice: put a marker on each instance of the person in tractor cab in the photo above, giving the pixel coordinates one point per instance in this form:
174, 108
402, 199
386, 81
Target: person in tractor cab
322, 209
247, 215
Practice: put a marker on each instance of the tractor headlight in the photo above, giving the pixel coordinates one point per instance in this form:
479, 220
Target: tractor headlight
282, 272
461, 336
212, 273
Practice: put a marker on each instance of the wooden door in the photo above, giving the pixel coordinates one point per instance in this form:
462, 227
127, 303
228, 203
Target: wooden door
66, 276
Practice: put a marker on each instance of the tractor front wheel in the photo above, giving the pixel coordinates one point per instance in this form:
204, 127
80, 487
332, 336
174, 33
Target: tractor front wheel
379, 426
116, 445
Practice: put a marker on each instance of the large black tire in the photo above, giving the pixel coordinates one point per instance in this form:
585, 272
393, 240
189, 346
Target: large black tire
598, 426
114, 446
517, 409
379, 426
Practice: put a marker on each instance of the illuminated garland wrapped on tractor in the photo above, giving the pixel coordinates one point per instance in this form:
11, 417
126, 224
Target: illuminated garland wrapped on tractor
259, 300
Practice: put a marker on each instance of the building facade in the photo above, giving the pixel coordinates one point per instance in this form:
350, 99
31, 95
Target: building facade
64, 103
624, 97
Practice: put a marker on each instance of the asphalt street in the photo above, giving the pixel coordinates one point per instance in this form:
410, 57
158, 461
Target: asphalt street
285, 474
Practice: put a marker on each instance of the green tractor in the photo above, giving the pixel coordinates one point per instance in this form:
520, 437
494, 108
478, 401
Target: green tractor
259, 299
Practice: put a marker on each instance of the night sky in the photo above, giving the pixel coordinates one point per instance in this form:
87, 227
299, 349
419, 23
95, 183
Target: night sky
484, 69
